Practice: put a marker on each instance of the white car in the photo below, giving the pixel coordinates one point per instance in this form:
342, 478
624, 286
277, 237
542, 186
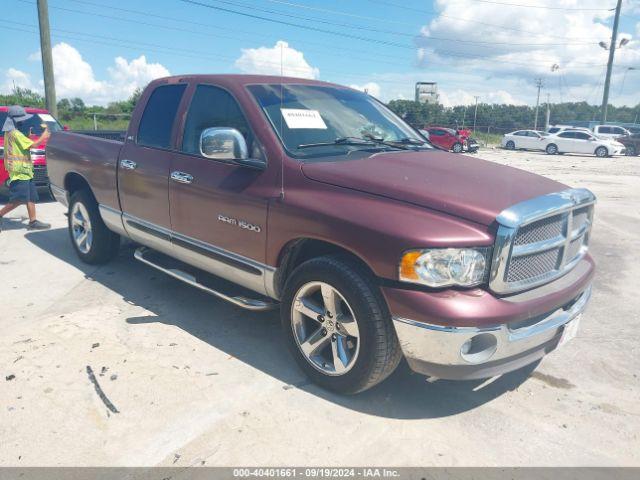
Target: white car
573, 141
525, 140
610, 131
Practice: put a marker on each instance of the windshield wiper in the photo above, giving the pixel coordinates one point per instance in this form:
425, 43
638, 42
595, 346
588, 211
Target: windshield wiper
339, 141
380, 141
411, 141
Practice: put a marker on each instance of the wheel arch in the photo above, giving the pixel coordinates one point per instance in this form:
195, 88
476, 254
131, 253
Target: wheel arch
74, 182
299, 250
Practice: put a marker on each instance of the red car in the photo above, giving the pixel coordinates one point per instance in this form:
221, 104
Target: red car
450, 139
33, 129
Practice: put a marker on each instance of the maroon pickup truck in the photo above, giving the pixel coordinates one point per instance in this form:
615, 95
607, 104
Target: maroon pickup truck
314, 198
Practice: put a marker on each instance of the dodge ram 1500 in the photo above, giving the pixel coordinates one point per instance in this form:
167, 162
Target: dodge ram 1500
314, 198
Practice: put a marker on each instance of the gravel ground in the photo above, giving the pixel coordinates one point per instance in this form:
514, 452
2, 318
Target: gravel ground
196, 381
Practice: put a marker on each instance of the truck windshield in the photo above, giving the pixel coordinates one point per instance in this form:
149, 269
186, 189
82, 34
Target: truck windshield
317, 121
33, 125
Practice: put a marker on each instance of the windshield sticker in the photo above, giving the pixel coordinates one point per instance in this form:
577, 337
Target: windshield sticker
301, 118
45, 117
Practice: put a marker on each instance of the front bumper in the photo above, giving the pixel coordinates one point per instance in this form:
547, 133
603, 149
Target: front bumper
485, 335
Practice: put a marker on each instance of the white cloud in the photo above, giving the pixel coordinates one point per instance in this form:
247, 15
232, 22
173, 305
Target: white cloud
452, 98
280, 58
75, 77
125, 76
511, 56
372, 88
15, 78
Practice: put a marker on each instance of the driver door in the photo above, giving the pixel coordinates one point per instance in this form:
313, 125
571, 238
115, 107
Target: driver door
218, 208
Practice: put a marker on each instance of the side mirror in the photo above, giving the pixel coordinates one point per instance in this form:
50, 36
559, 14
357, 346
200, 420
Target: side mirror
223, 143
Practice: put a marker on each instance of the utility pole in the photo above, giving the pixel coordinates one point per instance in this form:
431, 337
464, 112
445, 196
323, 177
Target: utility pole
475, 113
612, 51
546, 123
539, 85
47, 58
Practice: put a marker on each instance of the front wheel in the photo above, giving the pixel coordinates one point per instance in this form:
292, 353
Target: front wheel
602, 152
92, 240
457, 147
551, 149
337, 325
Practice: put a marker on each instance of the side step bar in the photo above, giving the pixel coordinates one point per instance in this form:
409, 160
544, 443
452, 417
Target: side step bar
142, 254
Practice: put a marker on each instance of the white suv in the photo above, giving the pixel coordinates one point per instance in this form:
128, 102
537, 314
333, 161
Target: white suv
610, 131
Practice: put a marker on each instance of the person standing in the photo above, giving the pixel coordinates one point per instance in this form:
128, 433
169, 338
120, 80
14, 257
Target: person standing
17, 162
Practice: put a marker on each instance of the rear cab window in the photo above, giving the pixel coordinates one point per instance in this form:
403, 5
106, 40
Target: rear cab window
158, 118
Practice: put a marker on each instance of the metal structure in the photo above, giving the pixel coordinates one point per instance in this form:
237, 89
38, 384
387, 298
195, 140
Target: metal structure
427, 92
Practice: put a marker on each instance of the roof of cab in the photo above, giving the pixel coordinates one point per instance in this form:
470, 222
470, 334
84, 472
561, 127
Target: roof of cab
242, 79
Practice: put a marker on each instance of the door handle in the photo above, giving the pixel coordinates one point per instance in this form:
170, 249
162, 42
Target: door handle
181, 177
128, 164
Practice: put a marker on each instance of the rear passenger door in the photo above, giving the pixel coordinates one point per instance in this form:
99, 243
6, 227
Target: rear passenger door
143, 168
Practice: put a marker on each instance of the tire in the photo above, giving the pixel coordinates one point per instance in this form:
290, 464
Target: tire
511, 145
368, 343
631, 151
551, 149
457, 147
602, 152
101, 244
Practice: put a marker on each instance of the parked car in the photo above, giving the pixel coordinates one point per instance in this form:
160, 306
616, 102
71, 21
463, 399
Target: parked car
631, 143
571, 141
610, 131
450, 139
33, 129
525, 140
378, 245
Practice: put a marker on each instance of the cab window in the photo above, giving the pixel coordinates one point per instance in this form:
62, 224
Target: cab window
212, 107
159, 115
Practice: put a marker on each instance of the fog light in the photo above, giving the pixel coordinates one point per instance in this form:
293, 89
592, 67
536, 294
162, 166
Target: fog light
479, 348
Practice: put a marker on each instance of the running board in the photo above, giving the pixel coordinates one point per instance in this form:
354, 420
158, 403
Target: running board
177, 271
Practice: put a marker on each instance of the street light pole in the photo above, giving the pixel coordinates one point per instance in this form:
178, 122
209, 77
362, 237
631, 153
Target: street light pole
47, 58
539, 85
475, 113
612, 51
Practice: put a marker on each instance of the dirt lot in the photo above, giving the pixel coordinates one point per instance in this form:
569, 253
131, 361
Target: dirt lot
196, 381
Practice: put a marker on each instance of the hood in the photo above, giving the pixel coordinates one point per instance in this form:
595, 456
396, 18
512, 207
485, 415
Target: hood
464, 186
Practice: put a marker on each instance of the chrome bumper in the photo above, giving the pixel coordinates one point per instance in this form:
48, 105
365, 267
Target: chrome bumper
470, 353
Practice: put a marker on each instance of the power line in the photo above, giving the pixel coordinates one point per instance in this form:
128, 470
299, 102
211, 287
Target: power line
339, 12
433, 13
545, 7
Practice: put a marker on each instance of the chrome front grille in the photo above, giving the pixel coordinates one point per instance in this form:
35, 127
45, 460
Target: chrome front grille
541, 239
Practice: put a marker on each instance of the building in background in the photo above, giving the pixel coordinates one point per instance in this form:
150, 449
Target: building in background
427, 92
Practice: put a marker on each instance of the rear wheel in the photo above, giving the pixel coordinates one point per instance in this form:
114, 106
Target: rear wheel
337, 325
511, 145
457, 147
92, 240
602, 152
551, 149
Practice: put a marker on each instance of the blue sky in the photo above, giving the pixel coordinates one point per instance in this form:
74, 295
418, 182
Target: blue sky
491, 48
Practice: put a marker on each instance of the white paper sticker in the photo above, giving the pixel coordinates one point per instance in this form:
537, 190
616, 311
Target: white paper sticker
45, 117
301, 118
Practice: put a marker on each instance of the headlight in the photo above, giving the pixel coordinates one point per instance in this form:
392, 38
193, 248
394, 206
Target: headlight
443, 267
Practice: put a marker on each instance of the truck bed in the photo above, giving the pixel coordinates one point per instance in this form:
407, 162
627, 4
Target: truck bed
91, 158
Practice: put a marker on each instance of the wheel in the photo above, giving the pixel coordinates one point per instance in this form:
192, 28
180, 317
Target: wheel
551, 149
631, 150
511, 145
457, 147
92, 240
337, 325
602, 152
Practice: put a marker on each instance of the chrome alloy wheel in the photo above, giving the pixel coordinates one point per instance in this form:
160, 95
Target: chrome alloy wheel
325, 328
81, 227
